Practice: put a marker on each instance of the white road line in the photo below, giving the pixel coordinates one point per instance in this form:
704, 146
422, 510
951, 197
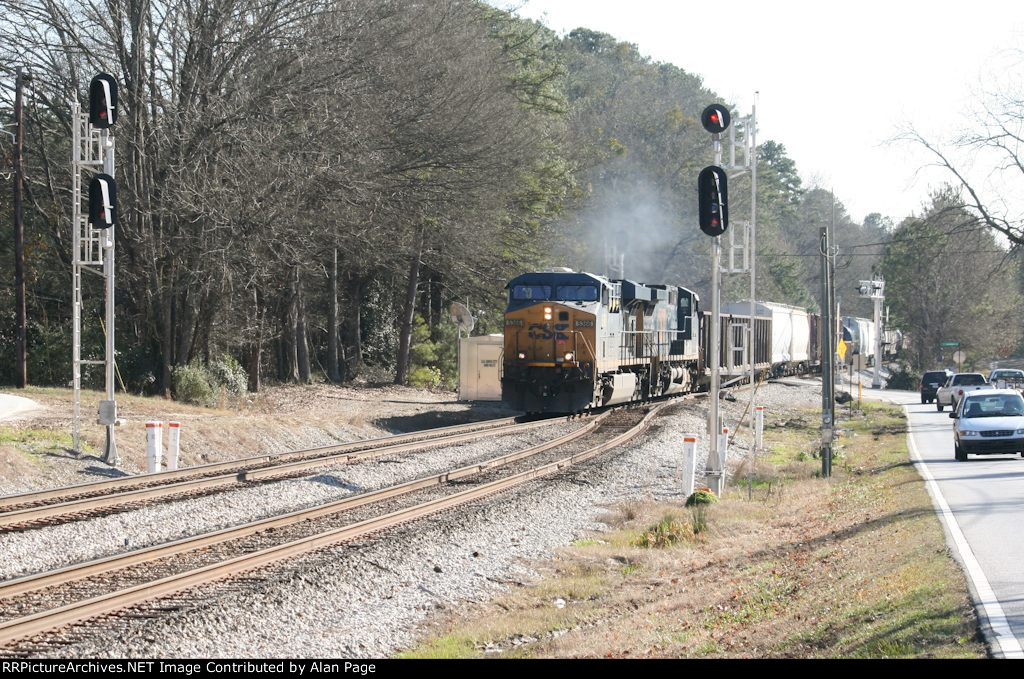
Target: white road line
987, 604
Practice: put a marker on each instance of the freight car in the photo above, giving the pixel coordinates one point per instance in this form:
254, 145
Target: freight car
575, 341
860, 334
791, 345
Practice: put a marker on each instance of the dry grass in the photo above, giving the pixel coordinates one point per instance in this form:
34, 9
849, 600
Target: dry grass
854, 566
35, 451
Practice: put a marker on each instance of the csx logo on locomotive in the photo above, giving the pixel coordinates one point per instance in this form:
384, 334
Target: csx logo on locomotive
543, 331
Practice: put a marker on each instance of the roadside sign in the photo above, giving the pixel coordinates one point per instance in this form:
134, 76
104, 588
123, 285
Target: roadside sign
841, 350
959, 356
950, 344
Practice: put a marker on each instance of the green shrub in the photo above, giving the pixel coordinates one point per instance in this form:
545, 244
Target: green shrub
666, 532
904, 378
698, 502
424, 376
193, 384
229, 373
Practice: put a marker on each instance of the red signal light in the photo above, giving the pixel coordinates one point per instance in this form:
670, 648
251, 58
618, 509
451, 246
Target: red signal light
715, 118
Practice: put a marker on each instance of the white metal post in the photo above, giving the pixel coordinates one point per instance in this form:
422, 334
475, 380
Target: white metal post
154, 446
723, 452
173, 444
689, 463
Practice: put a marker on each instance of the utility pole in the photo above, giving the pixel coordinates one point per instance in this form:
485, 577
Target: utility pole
21, 313
827, 352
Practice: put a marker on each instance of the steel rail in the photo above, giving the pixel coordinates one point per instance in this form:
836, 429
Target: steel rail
76, 572
215, 467
24, 517
60, 617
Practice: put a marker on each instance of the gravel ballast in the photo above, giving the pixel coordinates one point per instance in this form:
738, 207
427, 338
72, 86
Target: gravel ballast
370, 598
51, 547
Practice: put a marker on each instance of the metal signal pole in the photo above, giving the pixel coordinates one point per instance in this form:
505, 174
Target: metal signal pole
716, 476
108, 409
93, 251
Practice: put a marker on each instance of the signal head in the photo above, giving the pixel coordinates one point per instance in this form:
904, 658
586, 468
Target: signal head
715, 118
102, 202
103, 101
713, 200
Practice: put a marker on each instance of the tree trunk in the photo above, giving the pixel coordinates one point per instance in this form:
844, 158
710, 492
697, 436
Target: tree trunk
166, 342
409, 313
436, 312
184, 322
291, 332
21, 314
351, 325
256, 347
333, 372
301, 341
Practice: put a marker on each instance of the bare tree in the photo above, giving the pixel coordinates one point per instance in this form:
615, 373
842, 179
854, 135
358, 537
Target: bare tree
995, 146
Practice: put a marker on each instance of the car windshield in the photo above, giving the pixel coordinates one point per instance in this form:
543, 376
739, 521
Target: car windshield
1007, 375
997, 405
934, 377
969, 380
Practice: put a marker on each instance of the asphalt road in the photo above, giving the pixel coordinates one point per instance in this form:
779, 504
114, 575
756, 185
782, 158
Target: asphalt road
11, 405
982, 504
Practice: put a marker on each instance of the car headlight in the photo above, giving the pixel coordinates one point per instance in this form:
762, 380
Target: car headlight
965, 432
1019, 432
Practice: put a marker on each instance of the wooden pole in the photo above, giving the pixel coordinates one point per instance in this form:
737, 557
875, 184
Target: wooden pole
21, 315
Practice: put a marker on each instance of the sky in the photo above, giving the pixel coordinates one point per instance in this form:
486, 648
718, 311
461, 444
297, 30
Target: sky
835, 83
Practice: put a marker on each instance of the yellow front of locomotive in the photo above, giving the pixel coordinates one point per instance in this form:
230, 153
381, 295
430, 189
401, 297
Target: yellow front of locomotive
549, 358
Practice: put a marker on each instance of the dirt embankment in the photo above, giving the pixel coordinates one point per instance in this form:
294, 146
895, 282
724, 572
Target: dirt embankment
36, 447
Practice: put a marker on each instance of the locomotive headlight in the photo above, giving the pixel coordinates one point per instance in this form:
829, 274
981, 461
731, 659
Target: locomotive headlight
522, 355
568, 356
547, 313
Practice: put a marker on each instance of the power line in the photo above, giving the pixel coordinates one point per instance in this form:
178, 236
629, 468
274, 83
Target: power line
882, 254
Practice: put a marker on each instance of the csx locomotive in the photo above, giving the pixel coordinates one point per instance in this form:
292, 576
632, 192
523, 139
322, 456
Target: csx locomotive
575, 341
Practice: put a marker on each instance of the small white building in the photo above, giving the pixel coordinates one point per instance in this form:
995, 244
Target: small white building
480, 361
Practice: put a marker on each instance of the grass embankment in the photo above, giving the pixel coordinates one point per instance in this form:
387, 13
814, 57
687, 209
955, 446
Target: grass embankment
854, 566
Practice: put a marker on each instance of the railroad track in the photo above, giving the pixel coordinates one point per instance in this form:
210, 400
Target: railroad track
60, 505
34, 607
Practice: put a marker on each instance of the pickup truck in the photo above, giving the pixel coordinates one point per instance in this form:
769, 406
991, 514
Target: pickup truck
1008, 378
956, 386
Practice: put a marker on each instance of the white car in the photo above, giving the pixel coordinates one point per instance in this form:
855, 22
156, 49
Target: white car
956, 386
989, 422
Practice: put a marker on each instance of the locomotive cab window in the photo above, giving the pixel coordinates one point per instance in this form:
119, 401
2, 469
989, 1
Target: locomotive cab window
531, 292
686, 325
613, 303
577, 293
